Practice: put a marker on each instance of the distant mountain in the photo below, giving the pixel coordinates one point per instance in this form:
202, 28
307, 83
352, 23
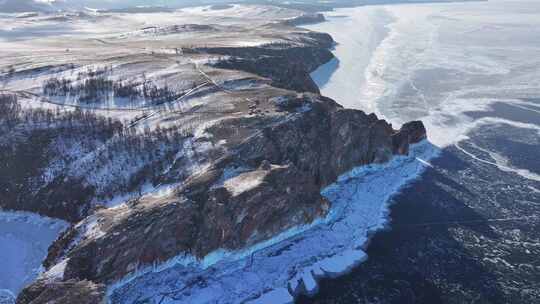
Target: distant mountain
19, 6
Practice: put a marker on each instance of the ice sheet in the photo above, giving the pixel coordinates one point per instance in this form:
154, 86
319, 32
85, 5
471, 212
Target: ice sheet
24, 239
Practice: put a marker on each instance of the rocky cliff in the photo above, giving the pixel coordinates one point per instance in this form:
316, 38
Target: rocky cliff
271, 182
257, 144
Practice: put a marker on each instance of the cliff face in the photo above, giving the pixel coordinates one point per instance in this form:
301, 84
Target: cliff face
270, 183
287, 66
254, 167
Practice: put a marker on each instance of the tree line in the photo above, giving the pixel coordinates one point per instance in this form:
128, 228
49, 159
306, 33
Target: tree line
115, 148
95, 86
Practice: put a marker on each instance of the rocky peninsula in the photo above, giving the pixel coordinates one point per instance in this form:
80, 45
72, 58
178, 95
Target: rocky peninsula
175, 139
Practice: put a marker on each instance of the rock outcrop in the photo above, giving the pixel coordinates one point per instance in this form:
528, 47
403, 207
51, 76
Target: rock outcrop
287, 65
265, 143
269, 184
63, 292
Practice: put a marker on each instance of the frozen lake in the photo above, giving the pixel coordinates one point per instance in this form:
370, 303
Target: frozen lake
434, 62
24, 241
471, 72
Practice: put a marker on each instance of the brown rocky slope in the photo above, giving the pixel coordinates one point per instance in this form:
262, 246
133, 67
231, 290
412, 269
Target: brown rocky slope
291, 161
266, 161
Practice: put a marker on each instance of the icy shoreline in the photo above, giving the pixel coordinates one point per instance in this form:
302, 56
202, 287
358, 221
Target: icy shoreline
24, 239
358, 33
279, 269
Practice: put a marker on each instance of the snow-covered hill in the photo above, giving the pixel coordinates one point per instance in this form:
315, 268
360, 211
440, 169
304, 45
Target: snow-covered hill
19, 6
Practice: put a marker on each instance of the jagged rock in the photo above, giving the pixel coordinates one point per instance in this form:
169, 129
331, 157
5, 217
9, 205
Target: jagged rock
416, 131
413, 131
265, 165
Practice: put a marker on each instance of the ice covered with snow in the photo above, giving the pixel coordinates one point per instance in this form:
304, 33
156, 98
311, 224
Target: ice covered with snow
7, 297
342, 263
279, 295
292, 262
24, 241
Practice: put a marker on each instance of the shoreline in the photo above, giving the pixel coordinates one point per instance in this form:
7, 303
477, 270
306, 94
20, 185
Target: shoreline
339, 261
305, 282
353, 53
27, 224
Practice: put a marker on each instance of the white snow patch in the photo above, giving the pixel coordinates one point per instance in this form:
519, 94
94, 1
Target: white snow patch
309, 282
342, 263
229, 173
146, 190
92, 228
244, 182
56, 273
